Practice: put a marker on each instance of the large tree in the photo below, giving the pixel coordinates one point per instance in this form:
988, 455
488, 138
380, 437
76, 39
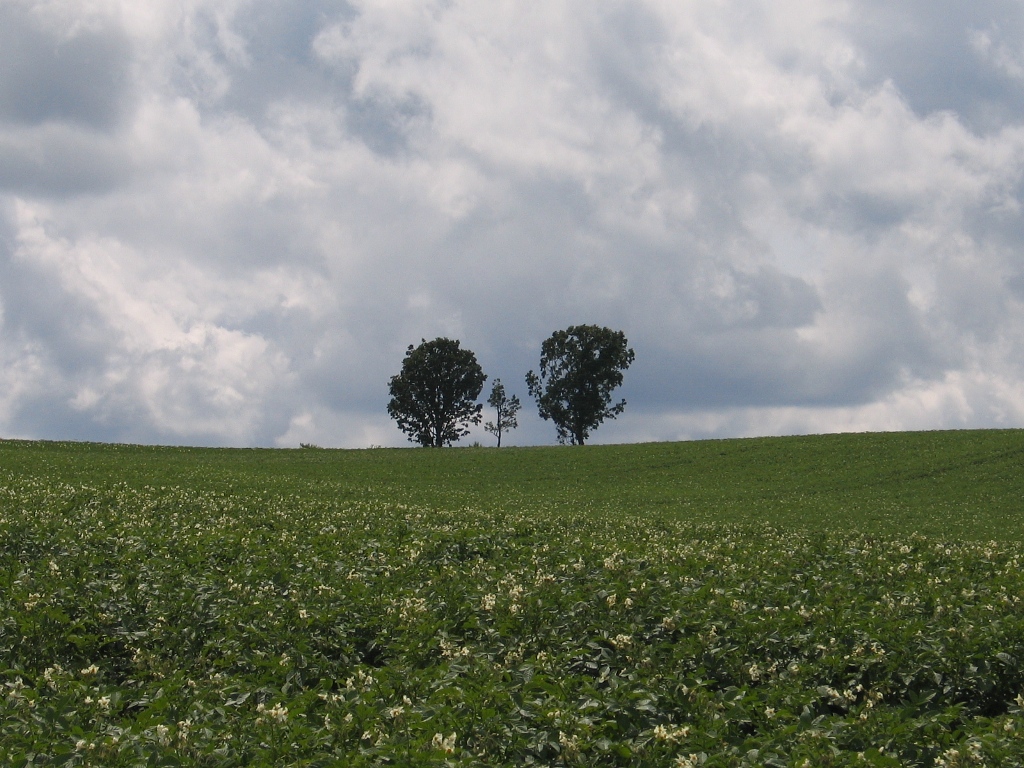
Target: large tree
579, 369
505, 408
433, 399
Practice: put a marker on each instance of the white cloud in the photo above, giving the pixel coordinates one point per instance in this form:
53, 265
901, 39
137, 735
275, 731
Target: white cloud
798, 228
994, 50
960, 400
150, 344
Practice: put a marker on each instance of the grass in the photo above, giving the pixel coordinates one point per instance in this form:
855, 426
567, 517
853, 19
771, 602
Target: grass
829, 600
951, 483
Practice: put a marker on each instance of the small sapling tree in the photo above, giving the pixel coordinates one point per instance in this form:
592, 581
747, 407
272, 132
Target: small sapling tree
433, 399
579, 369
506, 409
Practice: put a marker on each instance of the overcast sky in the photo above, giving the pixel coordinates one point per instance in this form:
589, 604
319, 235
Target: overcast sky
222, 222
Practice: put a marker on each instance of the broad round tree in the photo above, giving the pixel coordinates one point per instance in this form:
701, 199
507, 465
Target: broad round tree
579, 369
433, 399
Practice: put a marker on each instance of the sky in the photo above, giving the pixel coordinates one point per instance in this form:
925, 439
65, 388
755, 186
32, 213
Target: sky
222, 222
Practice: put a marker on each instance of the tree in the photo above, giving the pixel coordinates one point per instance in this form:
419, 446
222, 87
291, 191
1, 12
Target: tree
433, 399
506, 408
579, 369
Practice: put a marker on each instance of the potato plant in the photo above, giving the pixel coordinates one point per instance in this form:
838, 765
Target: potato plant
224, 623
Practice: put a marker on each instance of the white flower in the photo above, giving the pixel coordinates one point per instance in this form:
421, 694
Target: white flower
444, 743
688, 761
276, 712
570, 744
661, 733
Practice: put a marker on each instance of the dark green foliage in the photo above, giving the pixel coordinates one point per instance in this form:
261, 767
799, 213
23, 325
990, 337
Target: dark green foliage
506, 409
174, 606
580, 367
433, 399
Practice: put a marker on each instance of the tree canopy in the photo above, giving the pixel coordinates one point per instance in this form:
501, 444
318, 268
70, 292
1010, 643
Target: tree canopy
433, 398
579, 369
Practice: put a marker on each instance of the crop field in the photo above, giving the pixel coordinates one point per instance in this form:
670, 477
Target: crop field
845, 600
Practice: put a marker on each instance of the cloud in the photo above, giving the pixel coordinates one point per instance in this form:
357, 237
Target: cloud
129, 347
223, 223
64, 91
61, 72
945, 56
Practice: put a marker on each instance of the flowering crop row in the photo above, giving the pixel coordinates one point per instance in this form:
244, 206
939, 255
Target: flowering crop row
169, 626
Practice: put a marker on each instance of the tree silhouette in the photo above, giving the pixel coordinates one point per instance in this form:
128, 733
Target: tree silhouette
433, 398
579, 369
506, 407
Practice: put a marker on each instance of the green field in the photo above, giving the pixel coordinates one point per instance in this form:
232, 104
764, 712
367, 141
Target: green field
826, 600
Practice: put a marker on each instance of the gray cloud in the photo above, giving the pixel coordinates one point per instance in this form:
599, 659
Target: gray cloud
47, 75
63, 94
53, 160
224, 223
946, 56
